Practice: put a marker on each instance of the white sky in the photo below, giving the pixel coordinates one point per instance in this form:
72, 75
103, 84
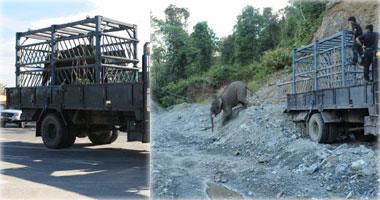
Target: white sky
220, 15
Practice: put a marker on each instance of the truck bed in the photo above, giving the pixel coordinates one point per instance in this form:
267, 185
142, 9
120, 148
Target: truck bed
127, 97
353, 97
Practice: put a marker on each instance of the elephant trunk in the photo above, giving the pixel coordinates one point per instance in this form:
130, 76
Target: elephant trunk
212, 122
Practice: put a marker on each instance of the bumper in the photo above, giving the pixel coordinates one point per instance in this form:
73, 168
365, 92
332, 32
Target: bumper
10, 120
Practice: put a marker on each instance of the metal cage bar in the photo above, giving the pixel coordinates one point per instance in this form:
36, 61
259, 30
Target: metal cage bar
325, 64
90, 51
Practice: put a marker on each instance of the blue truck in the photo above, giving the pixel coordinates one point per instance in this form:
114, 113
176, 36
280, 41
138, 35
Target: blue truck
328, 93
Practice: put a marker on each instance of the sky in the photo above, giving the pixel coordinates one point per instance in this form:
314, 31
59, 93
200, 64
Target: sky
21, 15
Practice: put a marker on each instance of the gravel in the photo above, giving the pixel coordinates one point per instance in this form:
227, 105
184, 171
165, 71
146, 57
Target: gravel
259, 153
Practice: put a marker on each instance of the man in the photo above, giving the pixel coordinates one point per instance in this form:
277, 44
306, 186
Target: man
356, 32
368, 41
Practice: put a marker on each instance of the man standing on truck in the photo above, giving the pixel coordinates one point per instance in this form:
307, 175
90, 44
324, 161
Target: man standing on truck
368, 41
356, 32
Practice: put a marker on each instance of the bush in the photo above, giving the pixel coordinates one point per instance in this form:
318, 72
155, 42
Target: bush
222, 74
167, 101
175, 92
276, 59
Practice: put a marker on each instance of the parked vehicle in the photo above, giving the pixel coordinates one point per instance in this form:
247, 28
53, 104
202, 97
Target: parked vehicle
82, 79
329, 93
11, 116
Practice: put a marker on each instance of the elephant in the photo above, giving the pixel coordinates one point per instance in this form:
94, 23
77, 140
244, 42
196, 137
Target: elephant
80, 55
235, 93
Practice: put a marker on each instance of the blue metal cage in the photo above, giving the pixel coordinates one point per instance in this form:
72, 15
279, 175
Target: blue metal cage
325, 63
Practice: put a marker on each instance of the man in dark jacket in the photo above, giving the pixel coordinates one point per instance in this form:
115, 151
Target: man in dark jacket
356, 32
368, 41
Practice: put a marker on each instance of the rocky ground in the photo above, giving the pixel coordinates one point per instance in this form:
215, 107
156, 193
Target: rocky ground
258, 154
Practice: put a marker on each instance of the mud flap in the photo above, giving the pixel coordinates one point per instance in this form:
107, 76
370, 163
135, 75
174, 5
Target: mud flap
134, 136
135, 131
371, 126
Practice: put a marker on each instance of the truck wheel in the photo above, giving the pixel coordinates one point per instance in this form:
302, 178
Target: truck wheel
22, 125
53, 132
70, 140
318, 130
332, 132
105, 137
3, 124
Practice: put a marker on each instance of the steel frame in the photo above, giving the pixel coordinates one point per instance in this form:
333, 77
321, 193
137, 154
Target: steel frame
325, 64
90, 51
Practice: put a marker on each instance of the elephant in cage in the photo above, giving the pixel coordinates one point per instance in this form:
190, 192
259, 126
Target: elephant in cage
71, 65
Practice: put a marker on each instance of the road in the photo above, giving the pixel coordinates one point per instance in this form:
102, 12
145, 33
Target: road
31, 171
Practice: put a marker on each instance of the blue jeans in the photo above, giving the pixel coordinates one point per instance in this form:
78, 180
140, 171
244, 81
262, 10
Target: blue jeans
357, 51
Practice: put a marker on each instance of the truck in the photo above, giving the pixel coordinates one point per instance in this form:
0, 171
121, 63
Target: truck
11, 116
81, 79
328, 93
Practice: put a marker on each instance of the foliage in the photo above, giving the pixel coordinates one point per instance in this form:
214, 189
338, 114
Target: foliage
227, 49
300, 20
260, 44
246, 33
276, 59
203, 39
222, 74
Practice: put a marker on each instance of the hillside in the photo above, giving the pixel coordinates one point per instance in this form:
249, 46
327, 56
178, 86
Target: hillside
260, 153
337, 12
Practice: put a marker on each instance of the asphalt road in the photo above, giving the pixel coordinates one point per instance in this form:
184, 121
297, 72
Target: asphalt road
31, 171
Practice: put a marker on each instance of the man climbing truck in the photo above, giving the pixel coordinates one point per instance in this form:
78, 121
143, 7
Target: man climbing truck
81, 79
329, 93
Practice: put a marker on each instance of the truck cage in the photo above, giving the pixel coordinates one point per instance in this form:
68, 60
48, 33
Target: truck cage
90, 51
323, 64
325, 82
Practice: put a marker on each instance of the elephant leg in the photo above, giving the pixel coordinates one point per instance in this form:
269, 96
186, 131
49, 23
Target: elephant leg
245, 103
226, 115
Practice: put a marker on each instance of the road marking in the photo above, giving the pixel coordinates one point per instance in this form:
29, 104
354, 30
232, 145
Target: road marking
75, 172
46, 149
86, 162
15, 157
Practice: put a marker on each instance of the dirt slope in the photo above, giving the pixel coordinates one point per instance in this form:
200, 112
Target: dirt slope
338, 11
258, 154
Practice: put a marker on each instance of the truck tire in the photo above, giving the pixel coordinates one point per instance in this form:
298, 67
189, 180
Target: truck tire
3, 124
318, 129
22, 125
104, 137
70, 140
53, 132
333, 133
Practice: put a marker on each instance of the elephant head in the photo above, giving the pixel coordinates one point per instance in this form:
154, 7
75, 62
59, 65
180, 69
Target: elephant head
216, 108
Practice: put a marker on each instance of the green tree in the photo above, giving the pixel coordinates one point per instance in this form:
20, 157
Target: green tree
172, 42
246, 33
300, 20
227, 50
171, 49
269, 34
203, 40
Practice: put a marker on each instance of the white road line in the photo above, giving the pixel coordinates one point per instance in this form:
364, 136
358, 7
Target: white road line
46, 149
